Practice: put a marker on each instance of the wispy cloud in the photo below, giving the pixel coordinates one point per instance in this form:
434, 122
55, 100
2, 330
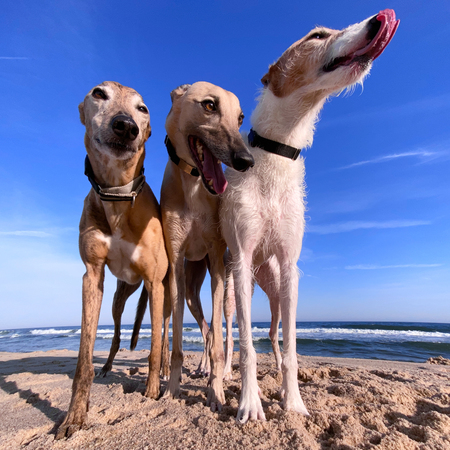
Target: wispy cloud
394, 266
424, 155
14, 57
29, 233
42, 233
344, 227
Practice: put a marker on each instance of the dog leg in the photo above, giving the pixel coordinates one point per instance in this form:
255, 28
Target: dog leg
139, 317
229, 307
156, 300
216, 396
123, 292
268, 278
195, 272
177, 295
289, 295
167, 312
84, 374
250, 406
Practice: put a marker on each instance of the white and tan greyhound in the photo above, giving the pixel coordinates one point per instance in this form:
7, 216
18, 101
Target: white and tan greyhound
202, 132
262, 211
120, 227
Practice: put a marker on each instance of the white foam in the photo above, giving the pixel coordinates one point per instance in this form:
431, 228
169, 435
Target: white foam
51, 331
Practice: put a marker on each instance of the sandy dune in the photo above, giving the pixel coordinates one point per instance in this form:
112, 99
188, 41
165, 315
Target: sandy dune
353, 404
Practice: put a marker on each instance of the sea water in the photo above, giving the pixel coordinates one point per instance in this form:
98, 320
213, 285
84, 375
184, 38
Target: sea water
401, 341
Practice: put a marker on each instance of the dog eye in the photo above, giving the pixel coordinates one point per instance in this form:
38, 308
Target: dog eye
143, 109
98, 93
318, 35
241, 119
209, 105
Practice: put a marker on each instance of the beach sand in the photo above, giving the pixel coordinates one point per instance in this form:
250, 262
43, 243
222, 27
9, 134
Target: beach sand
353, 404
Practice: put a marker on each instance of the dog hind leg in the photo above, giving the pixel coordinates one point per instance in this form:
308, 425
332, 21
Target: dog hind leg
165, 356
195, 272
123, 292
268, 278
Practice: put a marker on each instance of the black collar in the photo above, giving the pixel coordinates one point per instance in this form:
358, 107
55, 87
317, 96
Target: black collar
127, 193
183, 165
255, 140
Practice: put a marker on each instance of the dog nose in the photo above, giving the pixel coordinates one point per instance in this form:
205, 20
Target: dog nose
125, 127
242, 160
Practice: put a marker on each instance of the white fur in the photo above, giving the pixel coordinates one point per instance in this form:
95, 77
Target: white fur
121, 254
262, 218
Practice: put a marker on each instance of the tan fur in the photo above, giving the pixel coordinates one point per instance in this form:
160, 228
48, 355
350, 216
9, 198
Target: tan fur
297, 66
129, 240
191, 219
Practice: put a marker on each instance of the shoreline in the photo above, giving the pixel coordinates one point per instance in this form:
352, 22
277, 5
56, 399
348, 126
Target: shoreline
354, 403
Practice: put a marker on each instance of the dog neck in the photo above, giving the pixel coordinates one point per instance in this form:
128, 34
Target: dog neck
112, 172
289, 120
181, 163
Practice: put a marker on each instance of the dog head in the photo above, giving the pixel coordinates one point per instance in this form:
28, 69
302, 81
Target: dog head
116, 119
327, 60
203, 125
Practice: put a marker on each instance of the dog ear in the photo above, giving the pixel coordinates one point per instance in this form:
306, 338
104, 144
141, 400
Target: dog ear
273, 79
81, 109
179, 91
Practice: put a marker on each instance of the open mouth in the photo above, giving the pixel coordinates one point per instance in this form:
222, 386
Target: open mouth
382, 28
208, 165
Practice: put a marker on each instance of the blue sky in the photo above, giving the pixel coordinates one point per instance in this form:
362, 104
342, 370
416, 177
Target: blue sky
377, 240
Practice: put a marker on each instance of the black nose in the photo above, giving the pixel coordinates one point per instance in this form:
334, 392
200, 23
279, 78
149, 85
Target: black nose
242, 160
125, 127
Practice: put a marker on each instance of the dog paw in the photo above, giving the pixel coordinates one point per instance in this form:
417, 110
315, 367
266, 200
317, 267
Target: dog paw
215, 400
172, 390
72, 423
102, 373
295, 403
228, 376
152, 391
250, 408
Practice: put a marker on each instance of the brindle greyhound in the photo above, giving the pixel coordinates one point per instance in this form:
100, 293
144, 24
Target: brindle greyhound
203, 131
120, 227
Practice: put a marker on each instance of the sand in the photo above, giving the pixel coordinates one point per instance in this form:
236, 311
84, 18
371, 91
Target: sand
354, 404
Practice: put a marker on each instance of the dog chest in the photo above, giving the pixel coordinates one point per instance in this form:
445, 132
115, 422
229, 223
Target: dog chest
122, 258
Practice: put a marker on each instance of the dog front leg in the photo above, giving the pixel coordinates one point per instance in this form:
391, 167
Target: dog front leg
289, 295
84, 374
216, 396
177, 295
156, 299
250, 406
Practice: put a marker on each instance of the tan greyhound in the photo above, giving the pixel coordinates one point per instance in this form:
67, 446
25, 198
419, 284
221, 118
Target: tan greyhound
120, 227
203, 131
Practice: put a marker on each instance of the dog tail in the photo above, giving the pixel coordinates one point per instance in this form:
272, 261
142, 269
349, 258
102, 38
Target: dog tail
140, 311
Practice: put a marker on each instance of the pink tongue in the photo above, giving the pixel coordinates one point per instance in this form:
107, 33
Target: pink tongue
213, 171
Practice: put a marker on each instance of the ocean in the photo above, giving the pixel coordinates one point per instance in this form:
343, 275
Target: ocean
415, 342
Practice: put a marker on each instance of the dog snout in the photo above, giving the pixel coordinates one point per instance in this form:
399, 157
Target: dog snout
125, 127
242, 160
